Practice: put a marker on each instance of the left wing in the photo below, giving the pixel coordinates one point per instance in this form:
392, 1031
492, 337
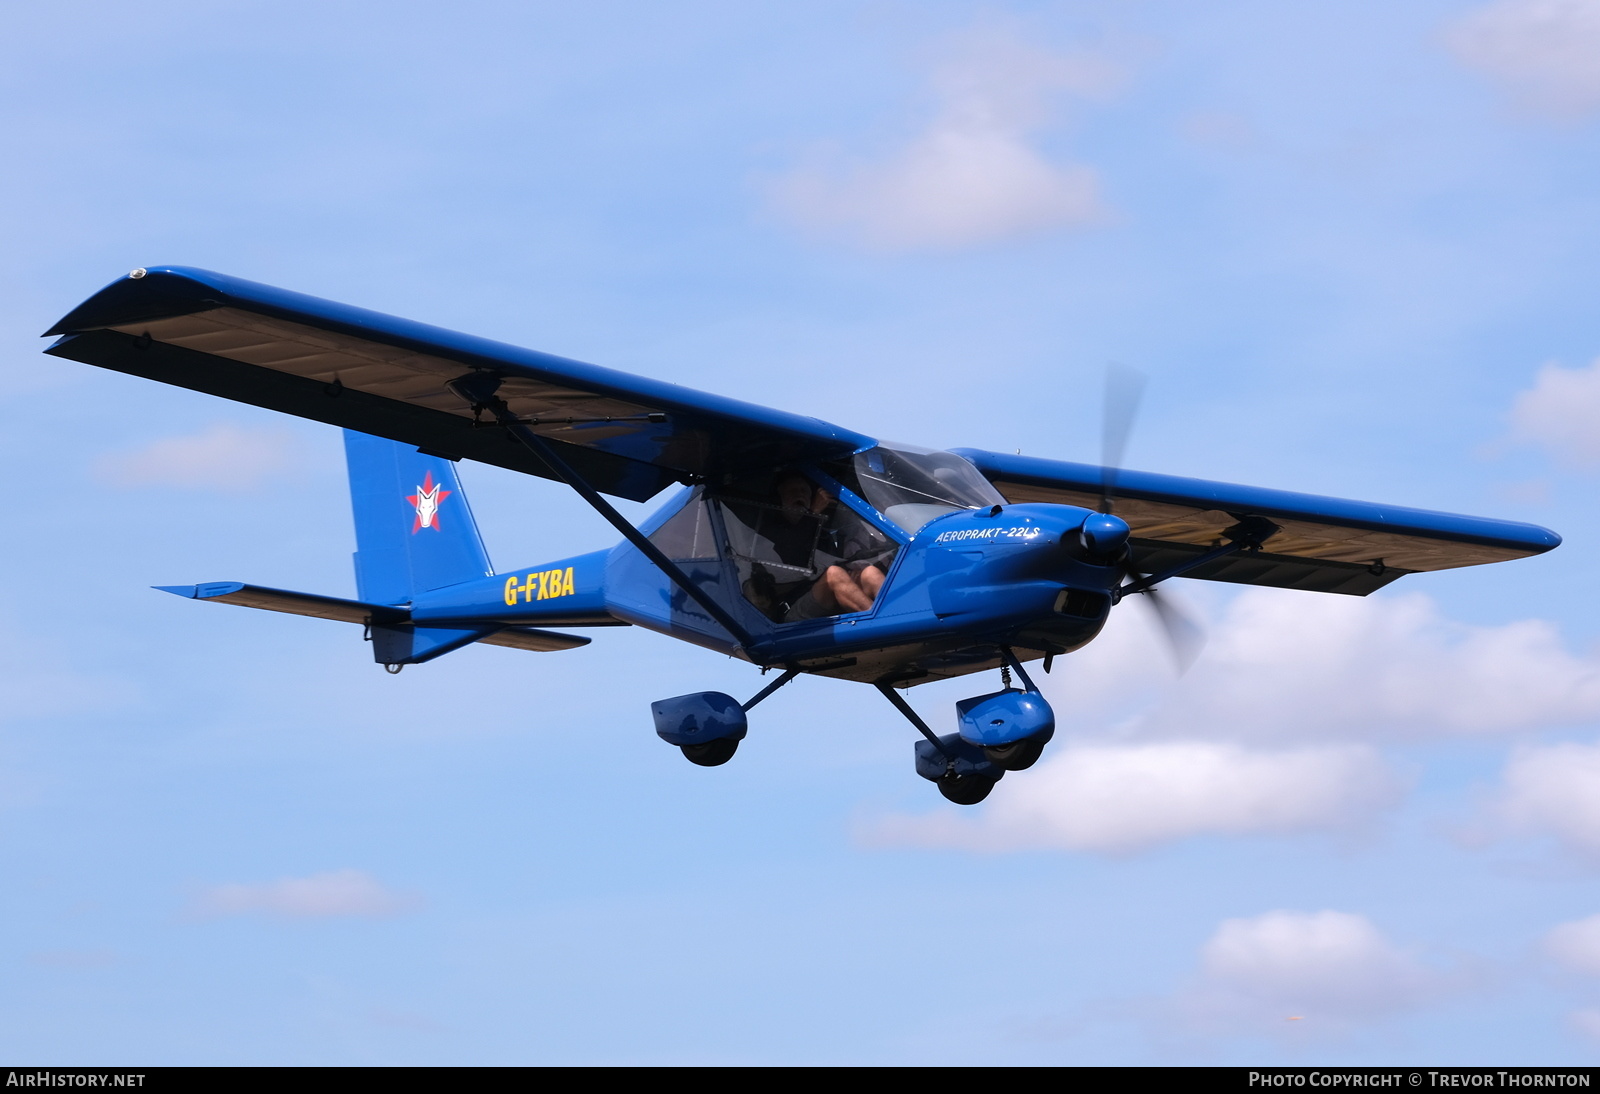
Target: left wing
627, 435
1322, 544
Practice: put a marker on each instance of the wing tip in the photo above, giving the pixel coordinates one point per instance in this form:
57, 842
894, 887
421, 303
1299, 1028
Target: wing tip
201, 592
146, 292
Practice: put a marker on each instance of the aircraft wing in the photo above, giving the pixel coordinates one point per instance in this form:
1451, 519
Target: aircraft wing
627, 435
1323, 544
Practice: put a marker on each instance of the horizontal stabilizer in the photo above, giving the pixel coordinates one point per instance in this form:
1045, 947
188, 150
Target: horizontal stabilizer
354, 611
281, 600
531, 638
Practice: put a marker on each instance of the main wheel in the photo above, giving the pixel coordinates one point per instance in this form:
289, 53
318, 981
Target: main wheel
1016, 756
965, 789
713, 753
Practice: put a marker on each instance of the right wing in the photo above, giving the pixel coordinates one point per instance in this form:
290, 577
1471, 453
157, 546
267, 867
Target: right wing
1329, 545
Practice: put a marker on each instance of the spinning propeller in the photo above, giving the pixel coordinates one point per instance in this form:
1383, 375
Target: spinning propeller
1124, 389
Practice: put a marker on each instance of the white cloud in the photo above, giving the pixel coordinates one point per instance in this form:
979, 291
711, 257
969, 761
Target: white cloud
1119, 799
1546, 53
1555, 790
336, 894
1561, 412
221, 457
1315, 965
1576, 945
1273, 730
1284, 665
974, 175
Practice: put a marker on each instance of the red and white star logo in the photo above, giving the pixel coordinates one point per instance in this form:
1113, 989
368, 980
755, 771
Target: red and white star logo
426, 502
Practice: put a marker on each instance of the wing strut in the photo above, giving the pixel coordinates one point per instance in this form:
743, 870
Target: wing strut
1248, 535
478, 388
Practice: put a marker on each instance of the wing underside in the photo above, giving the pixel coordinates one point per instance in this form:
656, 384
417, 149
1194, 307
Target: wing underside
628, 435
1322, 544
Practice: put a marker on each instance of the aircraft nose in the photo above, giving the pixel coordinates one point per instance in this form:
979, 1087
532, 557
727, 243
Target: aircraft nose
1103, 536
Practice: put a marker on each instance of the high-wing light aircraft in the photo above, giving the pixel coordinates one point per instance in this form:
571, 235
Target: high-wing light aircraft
791, 543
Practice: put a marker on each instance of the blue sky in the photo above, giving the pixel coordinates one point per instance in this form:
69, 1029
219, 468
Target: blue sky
1354, 247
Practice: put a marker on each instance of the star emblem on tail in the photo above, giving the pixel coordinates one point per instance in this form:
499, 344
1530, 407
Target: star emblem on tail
426, 502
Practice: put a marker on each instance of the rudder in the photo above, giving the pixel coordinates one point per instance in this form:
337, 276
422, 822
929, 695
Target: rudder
414, 530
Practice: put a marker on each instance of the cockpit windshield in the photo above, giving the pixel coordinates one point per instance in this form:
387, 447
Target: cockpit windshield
911, 486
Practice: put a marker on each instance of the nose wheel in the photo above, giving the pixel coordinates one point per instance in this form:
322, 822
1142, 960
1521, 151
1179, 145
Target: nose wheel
1003, 731
1016, 756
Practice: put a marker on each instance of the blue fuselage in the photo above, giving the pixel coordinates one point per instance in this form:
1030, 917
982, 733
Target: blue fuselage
963, 585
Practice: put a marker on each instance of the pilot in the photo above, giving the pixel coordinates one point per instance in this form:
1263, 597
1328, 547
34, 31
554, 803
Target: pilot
812, 522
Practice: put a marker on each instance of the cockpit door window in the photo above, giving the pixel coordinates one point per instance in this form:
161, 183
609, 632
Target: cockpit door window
801, 554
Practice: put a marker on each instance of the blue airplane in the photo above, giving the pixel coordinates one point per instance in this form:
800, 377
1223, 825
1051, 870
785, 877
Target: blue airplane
788, 542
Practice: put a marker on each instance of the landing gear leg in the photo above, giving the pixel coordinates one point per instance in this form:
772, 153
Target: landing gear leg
961, 771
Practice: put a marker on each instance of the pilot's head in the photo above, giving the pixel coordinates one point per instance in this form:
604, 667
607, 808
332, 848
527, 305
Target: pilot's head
798, 495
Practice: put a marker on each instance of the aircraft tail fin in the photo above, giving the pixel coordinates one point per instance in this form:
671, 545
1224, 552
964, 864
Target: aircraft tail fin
414, 530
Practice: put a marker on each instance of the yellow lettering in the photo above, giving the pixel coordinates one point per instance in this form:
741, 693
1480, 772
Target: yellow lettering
541, 586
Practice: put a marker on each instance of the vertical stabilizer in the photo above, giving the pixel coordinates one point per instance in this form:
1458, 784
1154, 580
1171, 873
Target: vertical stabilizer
414, 531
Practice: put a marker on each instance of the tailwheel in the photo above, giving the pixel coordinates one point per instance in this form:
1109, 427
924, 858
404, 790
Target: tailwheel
1015, 756
965, 789
712, 753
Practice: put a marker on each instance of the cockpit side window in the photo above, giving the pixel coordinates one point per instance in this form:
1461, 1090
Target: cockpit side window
687, 535
800, 553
